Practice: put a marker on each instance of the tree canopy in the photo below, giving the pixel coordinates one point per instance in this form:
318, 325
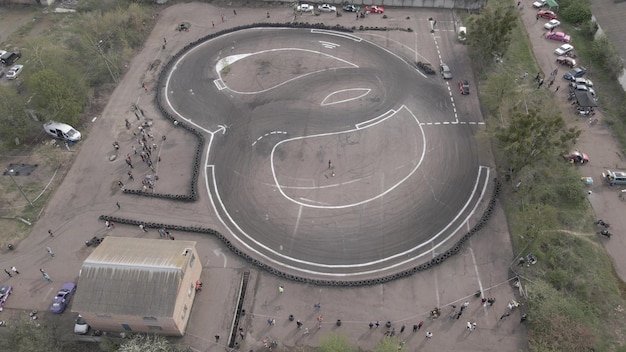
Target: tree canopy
54, 96
531, 137
489, 34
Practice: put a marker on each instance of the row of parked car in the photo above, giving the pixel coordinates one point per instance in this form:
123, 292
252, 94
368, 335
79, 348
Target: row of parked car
304, 8
8, 58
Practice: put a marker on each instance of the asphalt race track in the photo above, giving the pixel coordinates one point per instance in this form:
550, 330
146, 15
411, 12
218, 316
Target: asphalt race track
329, 155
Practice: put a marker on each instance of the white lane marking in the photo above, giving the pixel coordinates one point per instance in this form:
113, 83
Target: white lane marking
234, 58
267, 134
295, 228
330, 266
380, 118
344, 206
365, 90
219, 84
337, 34
329, 45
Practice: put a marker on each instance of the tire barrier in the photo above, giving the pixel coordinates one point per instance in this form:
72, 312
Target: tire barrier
192, 194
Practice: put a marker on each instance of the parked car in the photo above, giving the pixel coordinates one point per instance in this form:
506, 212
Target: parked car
539, 3
564, 49
351, 8
327, 8
574, 73
584, 81
558, 36
445, 72
547, 14
552, 24
62, 131
9, 58
5, 291
567, 61
305, 8
614, 177
14, 71
374, 9
81, 327
576, 156
464, 87
426, 67
582, 88
63, 297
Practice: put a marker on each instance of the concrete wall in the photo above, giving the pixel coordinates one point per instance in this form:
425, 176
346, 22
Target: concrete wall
186, 291
173, 325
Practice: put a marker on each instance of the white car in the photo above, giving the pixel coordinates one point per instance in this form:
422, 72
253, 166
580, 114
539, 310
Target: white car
327, 8
564, 49
14, 71
62, 131
305, 8
539, 3
552, 24
81, 327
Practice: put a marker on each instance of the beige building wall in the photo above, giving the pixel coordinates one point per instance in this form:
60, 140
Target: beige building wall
173, 325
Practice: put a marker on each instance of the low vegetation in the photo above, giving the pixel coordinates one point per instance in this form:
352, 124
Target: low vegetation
80, 54
573, 297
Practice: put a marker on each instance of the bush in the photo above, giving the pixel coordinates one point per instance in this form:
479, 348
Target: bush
577, 12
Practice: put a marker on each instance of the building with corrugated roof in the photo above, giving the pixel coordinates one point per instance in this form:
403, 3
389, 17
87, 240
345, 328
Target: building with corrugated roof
138, 285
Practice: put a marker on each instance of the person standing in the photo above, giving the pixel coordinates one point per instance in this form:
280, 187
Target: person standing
50, 253
217, 338
47, 277
419, 326
429, 334
118, 205
234, 12
50, 233
371, 325
281, 289
14, 269
414, 327
402, 328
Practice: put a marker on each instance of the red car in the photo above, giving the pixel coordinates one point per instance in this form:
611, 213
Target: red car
464, 87
547, 14
558, 36
374, 9
576, 157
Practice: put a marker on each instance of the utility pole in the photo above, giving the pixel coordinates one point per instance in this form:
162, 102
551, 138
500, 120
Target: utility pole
18, 187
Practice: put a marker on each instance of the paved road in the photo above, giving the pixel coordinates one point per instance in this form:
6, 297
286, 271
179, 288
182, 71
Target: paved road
338, 156
89, 190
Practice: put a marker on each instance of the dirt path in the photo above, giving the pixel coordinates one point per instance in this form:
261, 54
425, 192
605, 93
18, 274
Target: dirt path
597, 141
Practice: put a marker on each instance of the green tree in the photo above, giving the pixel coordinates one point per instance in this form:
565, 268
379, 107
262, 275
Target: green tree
55, 97
390, 344
577, 12
604, 53
335, 343
25, 335
530, 138
15, 122
489, 34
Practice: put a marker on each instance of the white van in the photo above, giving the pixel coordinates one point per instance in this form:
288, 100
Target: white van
462, 33
614, 177
62, 131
